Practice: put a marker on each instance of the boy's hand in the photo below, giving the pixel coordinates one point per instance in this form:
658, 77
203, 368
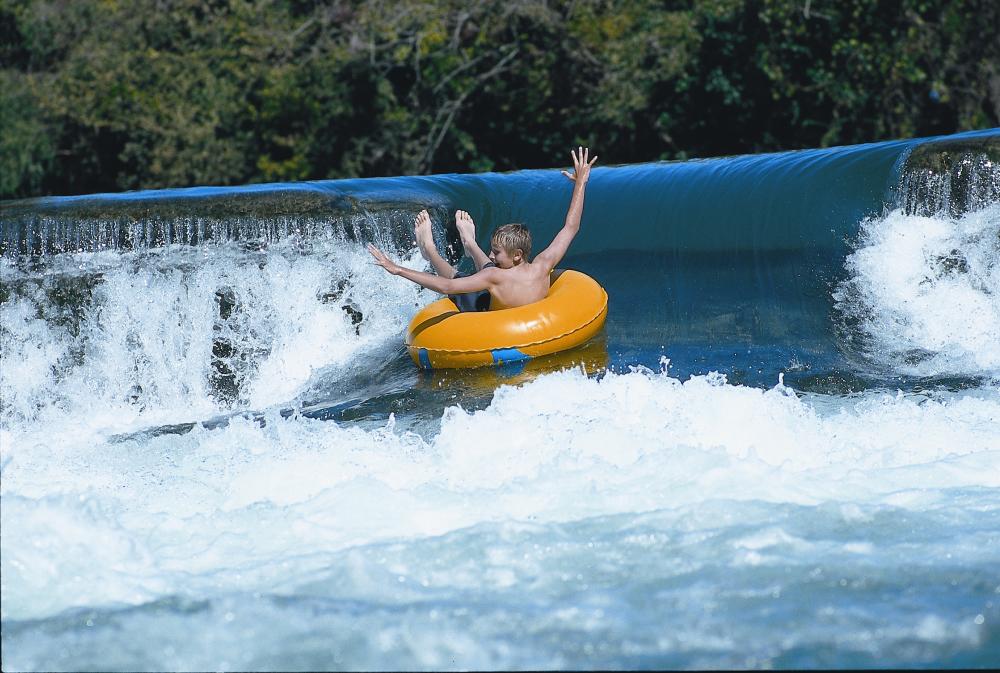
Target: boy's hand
582, 164
466, 227
383, 261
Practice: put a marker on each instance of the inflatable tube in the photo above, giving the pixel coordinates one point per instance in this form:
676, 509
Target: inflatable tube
574, 311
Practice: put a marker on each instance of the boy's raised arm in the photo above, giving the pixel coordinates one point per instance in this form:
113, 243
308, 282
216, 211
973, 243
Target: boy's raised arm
552, 255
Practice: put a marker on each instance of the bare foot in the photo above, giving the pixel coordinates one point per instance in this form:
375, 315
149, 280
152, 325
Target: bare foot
424, 235
466, 227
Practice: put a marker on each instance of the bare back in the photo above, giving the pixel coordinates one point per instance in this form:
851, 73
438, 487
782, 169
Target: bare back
523, 284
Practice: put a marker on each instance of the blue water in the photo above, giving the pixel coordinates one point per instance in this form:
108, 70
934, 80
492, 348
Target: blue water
782, 451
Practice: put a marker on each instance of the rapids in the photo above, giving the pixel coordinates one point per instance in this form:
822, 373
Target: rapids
784, 450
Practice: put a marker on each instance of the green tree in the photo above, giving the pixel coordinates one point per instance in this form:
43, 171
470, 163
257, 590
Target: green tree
127, 94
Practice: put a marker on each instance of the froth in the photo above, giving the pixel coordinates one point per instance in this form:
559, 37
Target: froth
925, 292
160, 337
254, 508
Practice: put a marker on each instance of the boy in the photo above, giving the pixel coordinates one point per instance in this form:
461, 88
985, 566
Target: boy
506, 273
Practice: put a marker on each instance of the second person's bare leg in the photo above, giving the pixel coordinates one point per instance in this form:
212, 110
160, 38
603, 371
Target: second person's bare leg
425, 241
467, 231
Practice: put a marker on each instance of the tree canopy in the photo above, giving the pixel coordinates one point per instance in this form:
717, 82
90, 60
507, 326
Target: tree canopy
109, 95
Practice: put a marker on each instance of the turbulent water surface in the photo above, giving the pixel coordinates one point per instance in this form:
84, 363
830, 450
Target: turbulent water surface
782, 451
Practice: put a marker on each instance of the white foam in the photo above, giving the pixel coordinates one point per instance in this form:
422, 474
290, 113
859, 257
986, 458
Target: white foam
140, 351
257, 508
926, 292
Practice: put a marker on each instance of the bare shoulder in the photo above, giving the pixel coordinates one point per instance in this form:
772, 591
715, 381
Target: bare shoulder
492, 274
507, 277
539, 270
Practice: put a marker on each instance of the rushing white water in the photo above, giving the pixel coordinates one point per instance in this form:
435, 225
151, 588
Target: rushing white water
181, 334
925, 290
273, 510
168, 502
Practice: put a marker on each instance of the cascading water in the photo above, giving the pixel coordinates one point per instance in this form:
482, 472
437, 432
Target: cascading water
782, 452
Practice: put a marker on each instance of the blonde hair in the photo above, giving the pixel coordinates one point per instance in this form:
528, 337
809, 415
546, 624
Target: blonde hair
511, 237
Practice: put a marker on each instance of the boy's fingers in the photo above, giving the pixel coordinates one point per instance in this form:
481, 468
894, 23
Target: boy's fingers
592, 161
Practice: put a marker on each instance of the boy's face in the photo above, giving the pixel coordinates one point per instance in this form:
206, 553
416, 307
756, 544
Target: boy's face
503, 258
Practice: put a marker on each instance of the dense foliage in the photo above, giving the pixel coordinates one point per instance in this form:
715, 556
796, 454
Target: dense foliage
105, 95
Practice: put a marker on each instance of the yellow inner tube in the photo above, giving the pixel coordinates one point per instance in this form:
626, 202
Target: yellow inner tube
440, 336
